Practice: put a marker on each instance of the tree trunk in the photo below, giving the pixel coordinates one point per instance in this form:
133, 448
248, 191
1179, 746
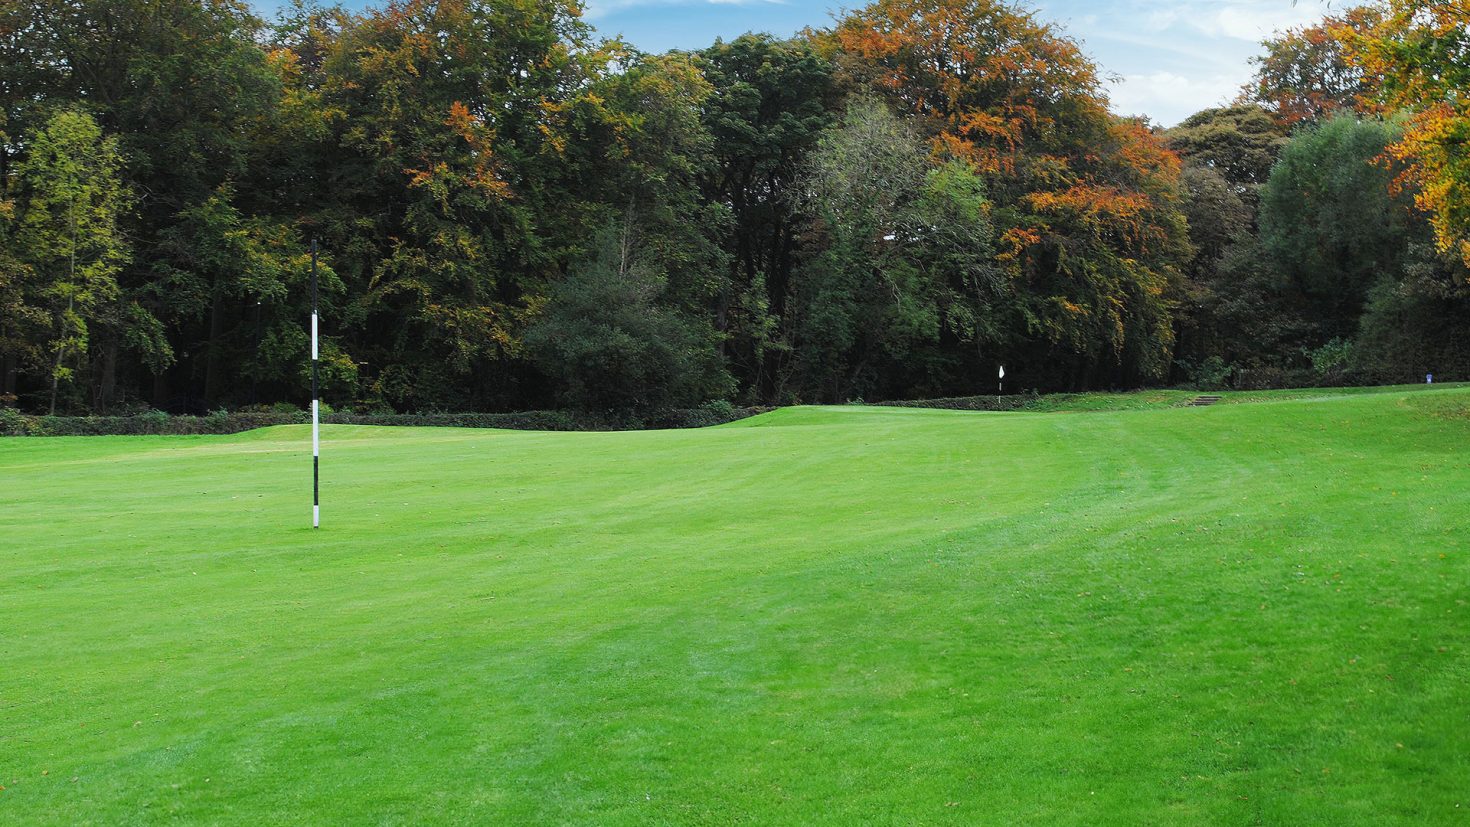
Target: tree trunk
8, 373
160, 391
60, 350
55, 379
211, 359
107, 389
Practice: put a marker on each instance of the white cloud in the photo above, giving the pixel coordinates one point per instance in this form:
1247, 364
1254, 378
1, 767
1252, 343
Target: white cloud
1256, 21
1157, 20
1169, 98
1175, 57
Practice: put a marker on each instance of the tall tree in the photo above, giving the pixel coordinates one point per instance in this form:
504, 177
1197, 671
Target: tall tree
450, 128
22, 323
903, 258
770, 102
187, 91
859, 296
1228, 153
1329, 220
1240, 142
1087, 214
631, 324
1420, 49
69, 236
1306, 75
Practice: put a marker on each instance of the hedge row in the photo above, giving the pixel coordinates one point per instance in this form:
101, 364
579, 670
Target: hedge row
14, 423
1015, 402
1261, 379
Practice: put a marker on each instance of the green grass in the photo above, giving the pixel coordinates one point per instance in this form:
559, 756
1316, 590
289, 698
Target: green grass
1176, 398
1244, 614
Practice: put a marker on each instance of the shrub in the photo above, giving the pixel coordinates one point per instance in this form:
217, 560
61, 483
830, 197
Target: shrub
15, 423
1209, 374
1014, 402
1330, 361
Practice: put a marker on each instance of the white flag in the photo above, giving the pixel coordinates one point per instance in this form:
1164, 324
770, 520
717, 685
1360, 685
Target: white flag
1002, 371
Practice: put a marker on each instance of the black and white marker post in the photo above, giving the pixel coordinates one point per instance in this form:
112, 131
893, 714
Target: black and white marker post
316, 443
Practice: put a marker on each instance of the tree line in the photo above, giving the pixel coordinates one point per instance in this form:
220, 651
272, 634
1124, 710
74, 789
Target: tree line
517, 214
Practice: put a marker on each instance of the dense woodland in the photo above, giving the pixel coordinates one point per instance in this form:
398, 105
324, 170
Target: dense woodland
513, 213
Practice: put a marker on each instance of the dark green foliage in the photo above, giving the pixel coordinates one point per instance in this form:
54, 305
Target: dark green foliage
1230, 296
611, 339
1415, 325
1218, 216
69, 241
1329, 221
152, 423
904, 259
433, 204
1013, 402
1239, 142
771, 101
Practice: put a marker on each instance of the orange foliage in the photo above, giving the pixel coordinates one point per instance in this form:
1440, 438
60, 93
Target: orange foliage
1015, 241
1090, 203
1417, 50
1306, 74
483, 174
981, 67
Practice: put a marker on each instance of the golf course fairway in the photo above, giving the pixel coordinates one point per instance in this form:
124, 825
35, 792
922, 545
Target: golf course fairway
1242, 614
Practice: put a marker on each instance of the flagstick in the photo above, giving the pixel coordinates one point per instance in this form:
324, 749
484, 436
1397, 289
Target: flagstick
316, 445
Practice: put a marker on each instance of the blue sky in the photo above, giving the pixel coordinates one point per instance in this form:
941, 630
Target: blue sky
1168, 58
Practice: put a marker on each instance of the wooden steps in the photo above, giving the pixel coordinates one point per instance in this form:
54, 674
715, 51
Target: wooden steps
1203, 401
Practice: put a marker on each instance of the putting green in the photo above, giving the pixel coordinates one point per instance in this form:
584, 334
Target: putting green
1249, 613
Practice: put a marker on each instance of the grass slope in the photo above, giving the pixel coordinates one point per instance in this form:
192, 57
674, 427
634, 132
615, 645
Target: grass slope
1238, 614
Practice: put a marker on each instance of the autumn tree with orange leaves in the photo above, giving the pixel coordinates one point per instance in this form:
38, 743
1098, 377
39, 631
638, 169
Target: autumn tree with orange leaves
1305, 74
1087, 204
1419, 50
440, 141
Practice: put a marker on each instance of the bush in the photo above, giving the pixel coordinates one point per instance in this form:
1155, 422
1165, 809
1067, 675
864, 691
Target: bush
1275, 378
1014, 402
146, 424
1209, 374
1330, 361
609, 338
14, 423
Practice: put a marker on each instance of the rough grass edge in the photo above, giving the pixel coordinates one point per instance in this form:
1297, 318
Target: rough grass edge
158, 423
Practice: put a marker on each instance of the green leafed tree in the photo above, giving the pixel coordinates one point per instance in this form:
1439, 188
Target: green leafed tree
1240, 143
631, 324
771, 100
1414, 324
239, 282
22, 324
72, 199
1329, 221
449, 207
903, 259
611, 336
1231, 312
